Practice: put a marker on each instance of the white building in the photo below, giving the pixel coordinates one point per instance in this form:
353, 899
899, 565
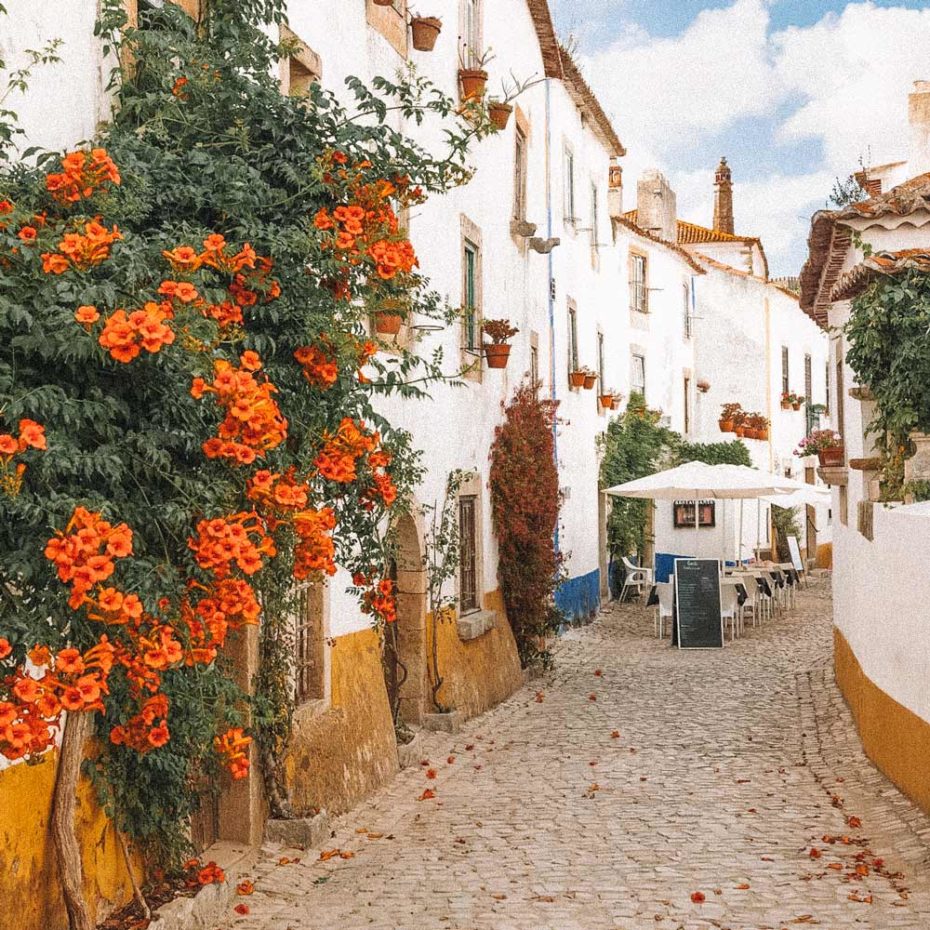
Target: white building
748, 342
880, 584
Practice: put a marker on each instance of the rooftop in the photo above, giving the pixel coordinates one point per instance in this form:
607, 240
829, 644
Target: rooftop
827, 244
857, 279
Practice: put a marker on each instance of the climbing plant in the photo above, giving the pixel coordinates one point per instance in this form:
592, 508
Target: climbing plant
525, 498
734, 452
890, 354
633, 445
188, 422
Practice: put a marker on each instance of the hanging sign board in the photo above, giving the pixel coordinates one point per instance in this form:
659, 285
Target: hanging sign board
699, 616
795, 551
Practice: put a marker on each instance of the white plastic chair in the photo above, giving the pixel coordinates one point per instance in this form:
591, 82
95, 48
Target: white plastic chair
636, 577
665, 608
732, 611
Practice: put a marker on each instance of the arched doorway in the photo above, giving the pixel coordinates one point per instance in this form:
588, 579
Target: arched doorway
404, 656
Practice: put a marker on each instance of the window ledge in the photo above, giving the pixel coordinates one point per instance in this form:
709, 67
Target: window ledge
476, 624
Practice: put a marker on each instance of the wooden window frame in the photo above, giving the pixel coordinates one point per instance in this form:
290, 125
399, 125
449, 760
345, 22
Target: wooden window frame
471, 488
641, 355
569, 194
639, 290
470, 238
785, 370
573, 356
688, 413
471, 46
688, 323
520, 164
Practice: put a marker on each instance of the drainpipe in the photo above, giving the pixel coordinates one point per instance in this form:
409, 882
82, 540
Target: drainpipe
550, 264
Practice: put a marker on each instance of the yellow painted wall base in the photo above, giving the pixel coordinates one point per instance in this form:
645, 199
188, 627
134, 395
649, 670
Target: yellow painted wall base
342, 754
894, 738
480, 673
825, 555
29, 888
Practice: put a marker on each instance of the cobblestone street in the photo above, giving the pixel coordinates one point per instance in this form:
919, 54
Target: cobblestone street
620, 789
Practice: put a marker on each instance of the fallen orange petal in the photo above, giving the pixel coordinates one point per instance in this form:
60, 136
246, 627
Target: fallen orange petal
246, 887
431, 773
427, 795
698, 897
615, 734
241, 909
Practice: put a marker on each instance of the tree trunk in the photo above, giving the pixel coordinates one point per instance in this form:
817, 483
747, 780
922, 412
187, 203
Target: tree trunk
70, 870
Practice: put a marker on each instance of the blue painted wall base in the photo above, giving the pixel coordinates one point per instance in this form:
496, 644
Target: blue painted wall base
579, 598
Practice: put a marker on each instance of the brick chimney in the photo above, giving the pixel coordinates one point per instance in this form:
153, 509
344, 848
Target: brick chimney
918, 116
656, 206
723, 198
615, 189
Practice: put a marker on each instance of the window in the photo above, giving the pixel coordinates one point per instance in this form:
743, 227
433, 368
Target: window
687, 390
840, 420
638, 294
601, 380
301, 68
826, 402
785, 373
638, 374
470, 309
471, 33
534, 359
573, 364
568, 182
519, 175
468, 553
311, 643
594, 216
686, 293
808, 380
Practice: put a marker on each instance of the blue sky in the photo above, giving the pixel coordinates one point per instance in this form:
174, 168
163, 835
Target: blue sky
793, 92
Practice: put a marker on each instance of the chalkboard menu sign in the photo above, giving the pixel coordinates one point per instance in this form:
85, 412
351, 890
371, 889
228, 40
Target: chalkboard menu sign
697, 597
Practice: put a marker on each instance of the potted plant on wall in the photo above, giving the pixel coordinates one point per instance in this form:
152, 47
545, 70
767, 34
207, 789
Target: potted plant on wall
425, 31
576, 377
499, 113
590, 378
389, 316
703, 386
607, 398
826, 444
728, 415
473, 77
497, 351
759, 425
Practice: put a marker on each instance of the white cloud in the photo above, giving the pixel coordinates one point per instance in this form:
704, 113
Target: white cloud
842, 82
716, 72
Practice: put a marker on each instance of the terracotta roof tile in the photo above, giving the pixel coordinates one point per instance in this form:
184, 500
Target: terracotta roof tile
692, 233
857, 279
677, 249
548, 42
830, 239
586, 100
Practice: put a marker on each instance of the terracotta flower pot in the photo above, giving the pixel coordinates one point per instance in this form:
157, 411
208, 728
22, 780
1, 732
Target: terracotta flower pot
740, 430
764, 434
473, 83
589, 381
616, 403
388, 323
497, 354
606, 401
786, 405
576, 378
425, 30
829, 457
796, 406
750, 432
726, 426
383, 2
499, 113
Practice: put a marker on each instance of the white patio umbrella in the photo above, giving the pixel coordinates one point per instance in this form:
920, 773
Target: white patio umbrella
696, 480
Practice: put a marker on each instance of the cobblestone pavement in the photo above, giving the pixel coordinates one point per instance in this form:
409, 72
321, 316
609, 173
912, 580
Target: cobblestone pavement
608, 792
